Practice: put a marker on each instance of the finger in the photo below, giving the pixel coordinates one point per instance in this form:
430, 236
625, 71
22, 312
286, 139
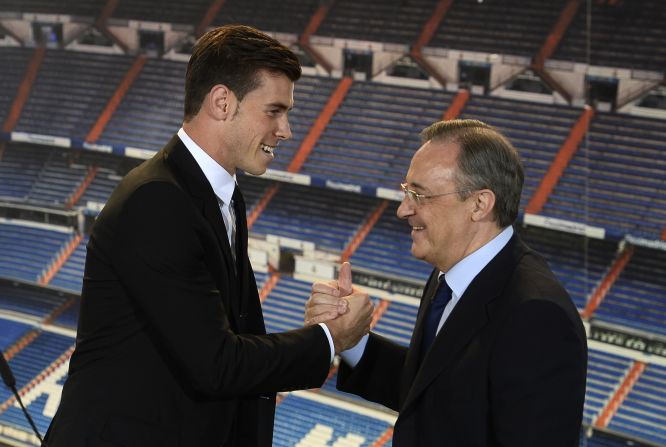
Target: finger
329, 288
343, 306
345, 279
323, 299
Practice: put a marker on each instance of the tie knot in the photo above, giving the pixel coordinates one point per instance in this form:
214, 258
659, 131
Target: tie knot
443, 293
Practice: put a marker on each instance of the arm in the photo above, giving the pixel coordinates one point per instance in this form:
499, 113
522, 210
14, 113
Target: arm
159, 253
538, 370
377, 376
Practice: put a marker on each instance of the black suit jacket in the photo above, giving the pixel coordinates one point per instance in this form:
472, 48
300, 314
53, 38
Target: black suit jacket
171, 347
508, 367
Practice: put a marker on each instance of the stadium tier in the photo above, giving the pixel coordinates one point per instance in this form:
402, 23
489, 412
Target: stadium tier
614, 181
499, 27
286, 16
75, 84
617, 182
624, 34
392, 21
27, 250
579, 263
638, 296
374, 133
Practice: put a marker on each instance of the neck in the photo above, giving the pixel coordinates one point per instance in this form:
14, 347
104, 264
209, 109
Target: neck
199, 133
480, 236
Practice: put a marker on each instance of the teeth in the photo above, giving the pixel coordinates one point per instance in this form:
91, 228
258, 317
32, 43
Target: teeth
417, 228
268, 149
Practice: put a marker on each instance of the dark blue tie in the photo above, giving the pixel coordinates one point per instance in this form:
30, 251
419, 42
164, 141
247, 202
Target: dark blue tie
437, 305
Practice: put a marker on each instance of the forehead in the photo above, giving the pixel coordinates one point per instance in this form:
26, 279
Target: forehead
434, 163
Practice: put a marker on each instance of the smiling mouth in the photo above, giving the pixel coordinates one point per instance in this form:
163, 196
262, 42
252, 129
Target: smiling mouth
417, 228
268, 149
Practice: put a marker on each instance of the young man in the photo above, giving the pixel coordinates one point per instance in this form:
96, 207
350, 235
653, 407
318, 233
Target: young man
171, 346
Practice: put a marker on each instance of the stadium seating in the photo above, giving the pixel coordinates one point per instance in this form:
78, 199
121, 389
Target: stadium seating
81, 8
500, 27
330, 223
11, 331
25, 251
152, 109
643, 413
287, 16
20, 167
392, 21
70, 275
624, 34
169, 11
29, 302
579, 263
623, 171
284, 307
70, 92
374, 134
26, 365
14, 63
638, 297
303, 422
605, 372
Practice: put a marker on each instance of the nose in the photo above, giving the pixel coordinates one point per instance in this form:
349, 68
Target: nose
405, 209
283, 131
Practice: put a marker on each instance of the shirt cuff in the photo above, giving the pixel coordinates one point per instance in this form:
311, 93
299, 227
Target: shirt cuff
330, 340
353, 355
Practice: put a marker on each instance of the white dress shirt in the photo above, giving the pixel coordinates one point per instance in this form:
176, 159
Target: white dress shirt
458, 278
223, 185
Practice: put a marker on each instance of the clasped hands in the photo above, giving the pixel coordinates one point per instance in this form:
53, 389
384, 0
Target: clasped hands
346, 310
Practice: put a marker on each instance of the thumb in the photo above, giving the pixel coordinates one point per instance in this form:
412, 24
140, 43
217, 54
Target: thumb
345, 279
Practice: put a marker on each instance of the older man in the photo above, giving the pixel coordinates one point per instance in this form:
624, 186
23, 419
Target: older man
498, 355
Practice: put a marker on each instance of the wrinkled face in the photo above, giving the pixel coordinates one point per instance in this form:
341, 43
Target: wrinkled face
259, 122
441, 226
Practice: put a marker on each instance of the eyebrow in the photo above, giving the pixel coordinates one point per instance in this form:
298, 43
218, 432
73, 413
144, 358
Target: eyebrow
279, 105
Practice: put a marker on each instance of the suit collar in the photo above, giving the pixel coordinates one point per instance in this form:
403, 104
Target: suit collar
220, 180
467, 318
192, 179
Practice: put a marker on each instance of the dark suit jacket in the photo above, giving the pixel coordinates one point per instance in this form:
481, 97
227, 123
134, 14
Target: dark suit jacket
508, 367
171, 347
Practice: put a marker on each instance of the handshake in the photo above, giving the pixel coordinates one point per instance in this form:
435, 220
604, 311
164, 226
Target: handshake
346, 311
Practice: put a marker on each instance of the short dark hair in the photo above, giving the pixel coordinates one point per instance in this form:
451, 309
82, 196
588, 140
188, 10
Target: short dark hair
232, 55
487, 160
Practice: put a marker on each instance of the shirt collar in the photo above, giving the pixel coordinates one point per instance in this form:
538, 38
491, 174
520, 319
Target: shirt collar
220, 180
461, 275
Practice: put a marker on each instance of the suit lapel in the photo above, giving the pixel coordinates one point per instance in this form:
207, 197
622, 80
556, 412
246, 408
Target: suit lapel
192, 178
469, 316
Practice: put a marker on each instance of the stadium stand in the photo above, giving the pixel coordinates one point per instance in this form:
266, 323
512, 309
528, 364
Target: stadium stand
152, 109
330, 225
33, 303
374, 134
169, 11
624, 34
75, 84
393, 21
579, 263
81, 8
643, 413
499, 27
14, 62
26, 250
617, 182
287, 16
638, 297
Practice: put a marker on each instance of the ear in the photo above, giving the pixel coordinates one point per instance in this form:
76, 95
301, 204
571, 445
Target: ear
484, 204
220, 102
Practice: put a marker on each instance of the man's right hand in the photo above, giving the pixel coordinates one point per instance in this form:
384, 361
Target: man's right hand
347, 329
